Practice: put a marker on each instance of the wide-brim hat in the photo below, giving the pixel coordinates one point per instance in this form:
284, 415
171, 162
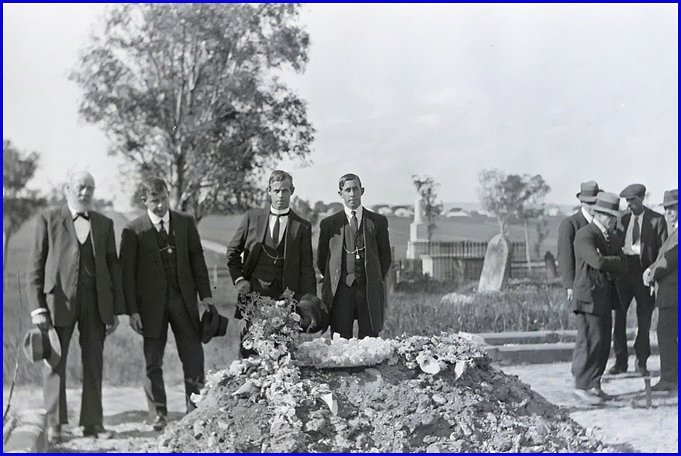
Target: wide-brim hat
42, 345
588, 191
671, 198
213, 324
310, 307
607, 203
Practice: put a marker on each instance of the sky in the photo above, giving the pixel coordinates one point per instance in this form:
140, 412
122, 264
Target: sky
571, 92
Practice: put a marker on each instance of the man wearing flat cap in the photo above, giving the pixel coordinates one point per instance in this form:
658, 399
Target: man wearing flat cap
642, 231
567, 230
662, 275
597, 260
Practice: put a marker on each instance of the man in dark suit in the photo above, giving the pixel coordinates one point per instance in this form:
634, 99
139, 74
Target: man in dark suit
276, 245
663, 276
354, 256
163, 269
597, 259
74, 277
567, 230
642, 231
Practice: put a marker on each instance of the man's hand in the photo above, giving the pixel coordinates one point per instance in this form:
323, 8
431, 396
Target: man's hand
111, 328
647, 277
203, 305
42, 321
243, 287
136, 323
569, 294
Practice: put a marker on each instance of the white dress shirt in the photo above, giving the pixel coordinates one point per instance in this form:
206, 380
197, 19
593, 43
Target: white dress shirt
283, 221
358, 213
81, 225
587, 216
156, 220
603, 229
629, 247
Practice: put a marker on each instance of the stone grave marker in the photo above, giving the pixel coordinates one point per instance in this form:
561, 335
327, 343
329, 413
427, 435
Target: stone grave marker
497, 265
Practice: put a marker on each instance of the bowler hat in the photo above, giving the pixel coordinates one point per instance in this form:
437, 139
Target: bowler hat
633, 190
212, 324
588, 191
45, 345
671, 197
607, 203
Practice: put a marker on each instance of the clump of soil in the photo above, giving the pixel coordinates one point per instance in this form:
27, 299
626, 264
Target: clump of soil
394, 406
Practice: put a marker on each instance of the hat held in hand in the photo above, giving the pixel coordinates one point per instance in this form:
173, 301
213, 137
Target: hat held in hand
43, 345
313, 313
212, 324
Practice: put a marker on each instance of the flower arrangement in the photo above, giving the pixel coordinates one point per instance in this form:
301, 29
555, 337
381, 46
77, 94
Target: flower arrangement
339, 352
273, 326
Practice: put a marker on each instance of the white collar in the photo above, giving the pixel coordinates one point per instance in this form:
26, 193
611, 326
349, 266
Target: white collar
586, 215
155, 219
348, 212
603, 229
279, 211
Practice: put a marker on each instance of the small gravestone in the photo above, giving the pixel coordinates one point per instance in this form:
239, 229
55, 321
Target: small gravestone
497, 265
550, 266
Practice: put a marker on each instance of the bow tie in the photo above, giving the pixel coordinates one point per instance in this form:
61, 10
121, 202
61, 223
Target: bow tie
81, 214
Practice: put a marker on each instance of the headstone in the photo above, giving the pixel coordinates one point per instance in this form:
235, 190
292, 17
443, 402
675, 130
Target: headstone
497, 266
550, 265
418, 232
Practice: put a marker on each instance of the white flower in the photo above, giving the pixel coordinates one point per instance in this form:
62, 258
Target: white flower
294, 316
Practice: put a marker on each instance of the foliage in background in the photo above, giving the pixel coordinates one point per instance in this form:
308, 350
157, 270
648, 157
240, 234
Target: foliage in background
191, 92
18, 202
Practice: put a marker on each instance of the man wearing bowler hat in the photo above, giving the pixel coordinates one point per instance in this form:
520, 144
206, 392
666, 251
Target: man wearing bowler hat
74, 277
662, 275
597, 260
567, 230
642, 231
163, 269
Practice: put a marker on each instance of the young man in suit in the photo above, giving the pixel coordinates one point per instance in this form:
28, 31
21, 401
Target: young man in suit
354, 256
597, 260
74, 277
643, 231
662, 275
567, 230
163, 269
276, 245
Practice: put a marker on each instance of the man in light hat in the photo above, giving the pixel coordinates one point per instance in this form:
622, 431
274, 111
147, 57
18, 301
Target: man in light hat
74, 277
567, 230
597, 259
642, 231
663, 275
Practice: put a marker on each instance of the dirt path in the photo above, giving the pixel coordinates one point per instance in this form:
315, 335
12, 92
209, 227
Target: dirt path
625, 424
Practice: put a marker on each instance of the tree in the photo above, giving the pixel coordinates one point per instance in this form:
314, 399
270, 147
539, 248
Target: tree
18, 202
512, 196
426, 188
191, 92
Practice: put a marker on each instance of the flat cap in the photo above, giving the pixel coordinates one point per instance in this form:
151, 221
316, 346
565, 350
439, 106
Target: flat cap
633, 190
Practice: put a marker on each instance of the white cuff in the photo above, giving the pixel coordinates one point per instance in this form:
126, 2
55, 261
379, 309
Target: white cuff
239, 279
38, 311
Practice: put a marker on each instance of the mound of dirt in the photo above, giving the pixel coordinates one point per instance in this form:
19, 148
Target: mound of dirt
437, 394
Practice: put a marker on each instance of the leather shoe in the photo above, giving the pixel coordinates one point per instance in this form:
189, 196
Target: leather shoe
600, 393
590, 397
664, 385
53, 434
616, 370
160, 422
97, 431
642, 370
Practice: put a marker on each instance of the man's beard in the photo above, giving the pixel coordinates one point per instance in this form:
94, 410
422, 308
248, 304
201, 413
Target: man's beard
81, 206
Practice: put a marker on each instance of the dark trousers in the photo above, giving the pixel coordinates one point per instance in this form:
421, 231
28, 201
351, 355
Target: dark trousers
92, 332
630, 287
668, 341
592, 349
189, 348
350, 304
272, 290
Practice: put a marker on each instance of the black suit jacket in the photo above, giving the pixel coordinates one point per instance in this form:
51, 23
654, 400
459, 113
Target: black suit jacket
566, 251
665, 272
144, 276
53, 262
597, 263
653, 234
298, 274
377, 260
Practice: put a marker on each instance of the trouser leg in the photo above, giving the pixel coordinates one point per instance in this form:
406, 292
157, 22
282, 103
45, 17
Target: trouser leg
590, 350
343, 310
54, 381
645, 304
362, 311
668, 342
619, 335
154, 388
92, 333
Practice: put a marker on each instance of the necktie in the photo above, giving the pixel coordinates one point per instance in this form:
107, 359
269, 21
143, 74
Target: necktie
82, 215
275, 231
353, 222
162, 230
635, 232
